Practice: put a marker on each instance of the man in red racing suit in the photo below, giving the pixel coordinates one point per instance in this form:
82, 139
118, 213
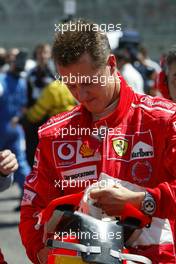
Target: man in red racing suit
166, 79
133, 141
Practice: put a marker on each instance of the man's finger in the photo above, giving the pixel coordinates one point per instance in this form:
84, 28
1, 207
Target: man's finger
96, 193
9, 165
7, 159
11, 170
4, 154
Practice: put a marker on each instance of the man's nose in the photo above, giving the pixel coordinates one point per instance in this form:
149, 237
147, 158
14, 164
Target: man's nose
82, 93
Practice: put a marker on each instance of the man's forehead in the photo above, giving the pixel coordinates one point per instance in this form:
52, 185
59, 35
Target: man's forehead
84, 59
84, 65
79, 73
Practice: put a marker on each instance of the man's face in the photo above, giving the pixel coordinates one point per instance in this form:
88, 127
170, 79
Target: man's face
172, 80
92, 87
43, 55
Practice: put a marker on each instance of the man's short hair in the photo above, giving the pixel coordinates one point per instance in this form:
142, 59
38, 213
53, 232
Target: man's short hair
171, 56
86, 37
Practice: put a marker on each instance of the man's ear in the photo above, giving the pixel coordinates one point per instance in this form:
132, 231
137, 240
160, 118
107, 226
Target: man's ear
112, 63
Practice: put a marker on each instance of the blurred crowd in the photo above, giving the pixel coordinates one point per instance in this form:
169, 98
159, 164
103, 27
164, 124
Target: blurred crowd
30, 93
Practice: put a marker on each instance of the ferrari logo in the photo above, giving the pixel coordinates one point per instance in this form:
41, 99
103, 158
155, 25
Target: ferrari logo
120, 146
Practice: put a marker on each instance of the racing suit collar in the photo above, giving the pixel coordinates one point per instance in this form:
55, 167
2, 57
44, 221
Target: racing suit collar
125, 99
126, 96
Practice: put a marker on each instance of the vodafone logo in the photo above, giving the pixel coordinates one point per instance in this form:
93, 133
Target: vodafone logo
72, 152
66, 151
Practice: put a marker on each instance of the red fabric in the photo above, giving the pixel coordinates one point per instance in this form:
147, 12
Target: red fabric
2, 261
74, 199
145, 125
69, 199
162, 85
131, 211
166, 251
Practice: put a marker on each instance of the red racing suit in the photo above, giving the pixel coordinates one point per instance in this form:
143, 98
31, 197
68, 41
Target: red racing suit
138, 148
2, 261
162, 85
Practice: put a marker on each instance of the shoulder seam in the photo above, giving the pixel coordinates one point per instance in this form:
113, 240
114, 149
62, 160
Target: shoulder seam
152, 108
58, 122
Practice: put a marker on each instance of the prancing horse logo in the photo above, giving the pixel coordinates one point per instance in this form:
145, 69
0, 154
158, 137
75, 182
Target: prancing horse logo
120, 146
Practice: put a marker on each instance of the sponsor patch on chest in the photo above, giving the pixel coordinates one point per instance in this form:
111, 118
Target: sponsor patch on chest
130, 147
28, 197
68, 153
85, 173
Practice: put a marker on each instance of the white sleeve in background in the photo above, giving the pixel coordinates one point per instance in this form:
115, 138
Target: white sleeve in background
133, 78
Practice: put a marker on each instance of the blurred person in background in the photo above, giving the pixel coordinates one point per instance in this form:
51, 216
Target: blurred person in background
148, 68
13, 97
10, 58
130, 74
8, 165
39, 77
166, 79
41, 74
55, 98
146, 60
139, 58
3, 55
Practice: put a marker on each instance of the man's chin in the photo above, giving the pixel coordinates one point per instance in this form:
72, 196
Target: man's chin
94, 108
94, 111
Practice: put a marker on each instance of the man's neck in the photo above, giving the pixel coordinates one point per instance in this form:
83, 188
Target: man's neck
107, 111
112, 104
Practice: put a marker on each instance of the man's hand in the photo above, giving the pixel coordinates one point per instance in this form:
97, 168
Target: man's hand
43, 255
113, 199
8, 162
